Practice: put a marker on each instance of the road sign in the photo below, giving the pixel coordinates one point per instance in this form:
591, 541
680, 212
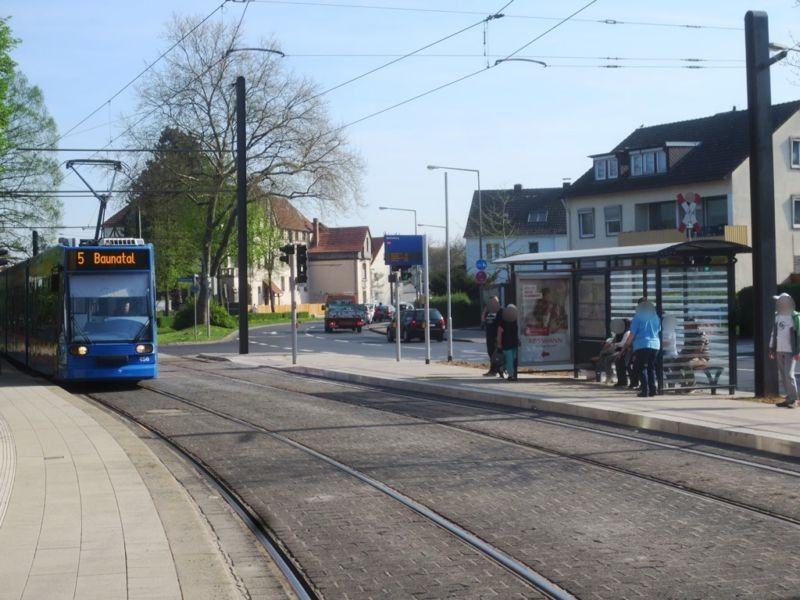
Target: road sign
480, 276
481, 264
403, 250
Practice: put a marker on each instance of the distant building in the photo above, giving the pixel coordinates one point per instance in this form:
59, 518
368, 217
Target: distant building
515, 221
340, 261
632, 193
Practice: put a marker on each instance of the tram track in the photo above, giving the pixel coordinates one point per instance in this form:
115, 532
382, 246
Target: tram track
292, 572
525, 573
686, 489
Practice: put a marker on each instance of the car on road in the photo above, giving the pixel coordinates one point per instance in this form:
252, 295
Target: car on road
404, 306
413, 325
383, 312
344, 316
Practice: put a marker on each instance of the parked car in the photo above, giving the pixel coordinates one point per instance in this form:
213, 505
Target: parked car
383, 312
404, 306
413, 326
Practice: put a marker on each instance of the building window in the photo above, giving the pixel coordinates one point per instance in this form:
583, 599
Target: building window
648, 162
662, 215
606, 168
613, 216
492, 251
533, 247
712, 214
796, 212
586, 223
795, 142
537, 216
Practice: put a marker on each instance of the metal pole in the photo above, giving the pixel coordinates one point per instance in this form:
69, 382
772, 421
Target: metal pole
449, 269
292, 289
207, 283
762, 196
427, 291
480, 240
241, 214
398, 315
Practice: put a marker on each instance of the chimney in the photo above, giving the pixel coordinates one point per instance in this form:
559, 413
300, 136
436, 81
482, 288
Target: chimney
517, 187
565, 183
316, 232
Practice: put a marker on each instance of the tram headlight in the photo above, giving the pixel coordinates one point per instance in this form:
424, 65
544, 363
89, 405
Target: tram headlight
144, 348
79, 350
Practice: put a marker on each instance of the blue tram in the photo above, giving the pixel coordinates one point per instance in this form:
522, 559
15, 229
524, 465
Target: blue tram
82, 313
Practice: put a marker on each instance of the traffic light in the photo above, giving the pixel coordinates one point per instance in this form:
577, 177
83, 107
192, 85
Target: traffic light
286, 252
302, 264
406, 276
3, 254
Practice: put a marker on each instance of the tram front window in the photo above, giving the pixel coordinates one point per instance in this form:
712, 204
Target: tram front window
110, 307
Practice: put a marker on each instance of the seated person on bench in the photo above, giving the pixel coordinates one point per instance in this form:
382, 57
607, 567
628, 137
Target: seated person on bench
694, 355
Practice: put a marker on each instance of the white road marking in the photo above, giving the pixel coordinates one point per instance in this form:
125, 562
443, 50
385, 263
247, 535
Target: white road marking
342, 341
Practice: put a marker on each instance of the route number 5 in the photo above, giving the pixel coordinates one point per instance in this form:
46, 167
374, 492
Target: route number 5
81, 257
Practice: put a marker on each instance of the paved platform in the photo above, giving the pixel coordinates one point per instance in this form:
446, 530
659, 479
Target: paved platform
88, 511
738, 420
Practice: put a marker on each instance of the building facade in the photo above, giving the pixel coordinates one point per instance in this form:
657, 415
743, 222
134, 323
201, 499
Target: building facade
670, 182
514, 221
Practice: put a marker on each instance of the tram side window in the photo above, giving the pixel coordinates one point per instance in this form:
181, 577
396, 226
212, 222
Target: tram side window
44, 309
110, 307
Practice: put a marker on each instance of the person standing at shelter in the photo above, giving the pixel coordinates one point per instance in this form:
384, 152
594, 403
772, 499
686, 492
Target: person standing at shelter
646, 341
784, 346
508, 339
489, 318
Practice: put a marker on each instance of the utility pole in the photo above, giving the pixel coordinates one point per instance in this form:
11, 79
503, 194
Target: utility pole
293, 290
762, 196
449, 278
241, 214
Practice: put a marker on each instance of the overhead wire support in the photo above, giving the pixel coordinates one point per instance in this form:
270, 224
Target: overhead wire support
102, 198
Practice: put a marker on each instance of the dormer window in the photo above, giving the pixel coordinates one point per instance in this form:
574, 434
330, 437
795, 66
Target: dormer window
606, 167
648, 162
537, 216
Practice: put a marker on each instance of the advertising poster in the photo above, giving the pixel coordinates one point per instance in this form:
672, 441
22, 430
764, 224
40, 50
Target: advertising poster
544, 305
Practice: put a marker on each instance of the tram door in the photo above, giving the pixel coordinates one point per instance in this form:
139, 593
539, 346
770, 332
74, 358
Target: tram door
592, 312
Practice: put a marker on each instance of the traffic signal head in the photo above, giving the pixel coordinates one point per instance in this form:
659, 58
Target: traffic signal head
302, 264
286, 252
3, 253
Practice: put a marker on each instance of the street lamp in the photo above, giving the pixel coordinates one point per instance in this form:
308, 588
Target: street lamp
762, 190
434, 226
411, 210
241, 198
448, 278
480, 202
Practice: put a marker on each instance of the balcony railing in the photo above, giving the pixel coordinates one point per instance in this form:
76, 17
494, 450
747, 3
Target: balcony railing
729, 233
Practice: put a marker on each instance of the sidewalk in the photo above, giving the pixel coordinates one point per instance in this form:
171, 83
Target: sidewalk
77, 520
736, 420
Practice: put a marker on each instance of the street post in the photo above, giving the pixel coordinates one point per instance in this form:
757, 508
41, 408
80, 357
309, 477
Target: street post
762, 196
241, 214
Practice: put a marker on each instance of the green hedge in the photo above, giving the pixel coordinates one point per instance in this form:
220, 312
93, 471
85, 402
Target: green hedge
465, 312
745, 313
255, 318
220, 317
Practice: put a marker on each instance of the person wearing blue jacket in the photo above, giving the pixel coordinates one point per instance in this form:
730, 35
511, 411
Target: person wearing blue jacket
646, 341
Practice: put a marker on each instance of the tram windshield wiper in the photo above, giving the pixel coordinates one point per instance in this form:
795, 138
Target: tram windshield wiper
78, 331
143, 330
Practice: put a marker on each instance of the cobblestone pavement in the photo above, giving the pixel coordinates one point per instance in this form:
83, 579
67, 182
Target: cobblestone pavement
351, 541
598, 533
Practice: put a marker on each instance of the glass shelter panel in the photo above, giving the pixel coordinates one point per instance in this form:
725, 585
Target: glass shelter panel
627, 286
696, 330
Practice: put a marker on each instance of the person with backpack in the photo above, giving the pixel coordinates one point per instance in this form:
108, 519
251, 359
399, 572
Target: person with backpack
784, 346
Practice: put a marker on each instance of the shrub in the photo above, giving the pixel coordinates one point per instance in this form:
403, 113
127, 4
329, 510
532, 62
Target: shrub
220, 317
465, 311
745, 306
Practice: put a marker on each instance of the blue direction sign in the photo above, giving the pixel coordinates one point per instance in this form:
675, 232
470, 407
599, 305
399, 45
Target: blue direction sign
481, 264
403, 250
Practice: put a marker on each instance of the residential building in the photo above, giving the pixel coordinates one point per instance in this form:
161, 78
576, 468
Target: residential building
340, 261
380, 272
633, 193
515, 221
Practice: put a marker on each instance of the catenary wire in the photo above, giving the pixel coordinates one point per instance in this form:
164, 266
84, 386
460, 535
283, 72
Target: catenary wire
142, 72
468, 75
301, 3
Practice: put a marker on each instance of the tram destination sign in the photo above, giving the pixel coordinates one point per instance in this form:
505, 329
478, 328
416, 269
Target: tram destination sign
108, 259
403, 250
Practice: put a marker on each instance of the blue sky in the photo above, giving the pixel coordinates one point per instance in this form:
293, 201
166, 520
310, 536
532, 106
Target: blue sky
517, 123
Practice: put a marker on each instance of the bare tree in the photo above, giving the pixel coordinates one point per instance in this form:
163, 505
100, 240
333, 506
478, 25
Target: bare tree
498, 224
293, 150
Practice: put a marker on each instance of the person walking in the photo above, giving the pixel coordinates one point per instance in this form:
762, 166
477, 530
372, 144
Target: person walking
489, 318
508, 339
646, 341
784, 346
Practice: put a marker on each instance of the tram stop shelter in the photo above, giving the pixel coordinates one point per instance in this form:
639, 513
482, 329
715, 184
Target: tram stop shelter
568, 300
